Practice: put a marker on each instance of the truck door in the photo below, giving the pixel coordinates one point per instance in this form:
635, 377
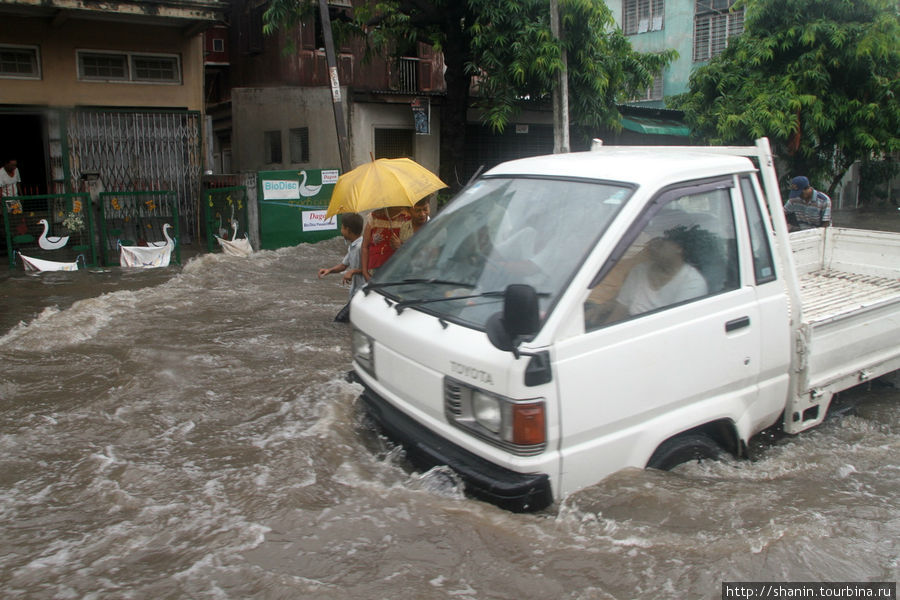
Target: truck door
671, 336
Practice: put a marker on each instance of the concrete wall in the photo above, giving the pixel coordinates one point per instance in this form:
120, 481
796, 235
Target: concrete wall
257, 110
367, 117
59, 84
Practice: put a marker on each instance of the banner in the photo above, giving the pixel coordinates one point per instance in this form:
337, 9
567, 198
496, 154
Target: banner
314, 220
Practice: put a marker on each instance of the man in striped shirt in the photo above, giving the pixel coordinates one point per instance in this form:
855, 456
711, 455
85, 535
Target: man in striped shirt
806, 208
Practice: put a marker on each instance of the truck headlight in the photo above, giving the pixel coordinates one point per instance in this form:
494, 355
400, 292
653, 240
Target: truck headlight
517, 426
486, 410
362, 351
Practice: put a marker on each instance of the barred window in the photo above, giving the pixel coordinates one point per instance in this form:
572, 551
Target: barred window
126, 66
20, 62
103, 66
299, 139
272, 143
653, 92
641, 16
714, 24
155, 68
394, 143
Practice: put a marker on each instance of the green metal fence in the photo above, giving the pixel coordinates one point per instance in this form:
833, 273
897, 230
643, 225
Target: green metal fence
223, 206
55, 227
134, 218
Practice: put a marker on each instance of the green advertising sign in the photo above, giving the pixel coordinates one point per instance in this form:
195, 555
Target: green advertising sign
292, 207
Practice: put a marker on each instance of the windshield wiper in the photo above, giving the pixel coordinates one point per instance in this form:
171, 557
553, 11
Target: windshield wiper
400, 306
376, 286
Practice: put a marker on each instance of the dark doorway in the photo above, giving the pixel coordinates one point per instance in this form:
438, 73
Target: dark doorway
23, 140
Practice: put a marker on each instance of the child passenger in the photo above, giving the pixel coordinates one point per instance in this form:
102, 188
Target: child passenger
350, 265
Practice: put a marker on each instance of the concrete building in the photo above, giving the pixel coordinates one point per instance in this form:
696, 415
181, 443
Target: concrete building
270, 110
697, 29
113, 88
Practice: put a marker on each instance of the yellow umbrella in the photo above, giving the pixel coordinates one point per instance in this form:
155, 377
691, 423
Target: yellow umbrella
381, 183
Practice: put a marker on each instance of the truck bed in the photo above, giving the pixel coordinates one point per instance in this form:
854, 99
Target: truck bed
845, 270
849, 330
827, 293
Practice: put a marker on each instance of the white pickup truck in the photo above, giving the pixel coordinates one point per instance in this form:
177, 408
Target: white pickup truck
567, 316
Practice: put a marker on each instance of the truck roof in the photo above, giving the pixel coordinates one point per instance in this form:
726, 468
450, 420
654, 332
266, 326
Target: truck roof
632, 164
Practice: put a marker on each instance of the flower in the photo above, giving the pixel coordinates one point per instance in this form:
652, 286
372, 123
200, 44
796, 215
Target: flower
15, 208
76, 206
115, 204
73, 221
151, 205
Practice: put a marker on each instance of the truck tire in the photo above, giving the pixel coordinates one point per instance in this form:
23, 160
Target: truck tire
684, 448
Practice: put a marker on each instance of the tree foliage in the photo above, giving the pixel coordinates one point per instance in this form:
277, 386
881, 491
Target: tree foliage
515, 57
507, 49
820, 78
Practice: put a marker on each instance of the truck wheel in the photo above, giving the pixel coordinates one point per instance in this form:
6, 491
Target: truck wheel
682, 449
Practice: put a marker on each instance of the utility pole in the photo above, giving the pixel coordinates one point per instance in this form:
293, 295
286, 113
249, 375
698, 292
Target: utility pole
337, 103
561, 91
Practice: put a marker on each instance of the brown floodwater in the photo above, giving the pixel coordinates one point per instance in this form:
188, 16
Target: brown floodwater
189, 432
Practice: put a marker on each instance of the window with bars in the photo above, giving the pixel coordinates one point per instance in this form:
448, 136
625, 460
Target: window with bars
653, 92
299, 139
103, 66
124, 66
155, 68
272, 147
254, 37
20, 62
641, 16
714, 25
394, 143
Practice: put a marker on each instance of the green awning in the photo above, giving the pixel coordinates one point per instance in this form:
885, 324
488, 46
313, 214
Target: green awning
655, 126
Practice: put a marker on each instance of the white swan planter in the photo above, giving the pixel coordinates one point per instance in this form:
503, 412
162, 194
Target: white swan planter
234, 246
37, 265
154, 255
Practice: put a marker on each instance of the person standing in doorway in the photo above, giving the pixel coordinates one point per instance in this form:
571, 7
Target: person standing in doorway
806, 208
10, 178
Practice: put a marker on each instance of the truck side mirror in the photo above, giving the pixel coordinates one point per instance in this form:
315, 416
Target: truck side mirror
520, 318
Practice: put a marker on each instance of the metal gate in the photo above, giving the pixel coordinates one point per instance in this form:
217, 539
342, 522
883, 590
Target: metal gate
136, 218
32, 224
144, 151
224, 206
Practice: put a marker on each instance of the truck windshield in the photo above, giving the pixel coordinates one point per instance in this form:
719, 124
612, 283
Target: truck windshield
497, 232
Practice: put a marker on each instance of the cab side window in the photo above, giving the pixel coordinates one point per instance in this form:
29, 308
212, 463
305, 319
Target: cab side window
763, 264
687, 251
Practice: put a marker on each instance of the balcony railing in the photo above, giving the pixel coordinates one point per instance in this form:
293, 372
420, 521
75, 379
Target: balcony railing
407, 75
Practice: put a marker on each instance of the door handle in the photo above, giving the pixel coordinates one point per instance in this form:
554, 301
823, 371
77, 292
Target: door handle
737, 324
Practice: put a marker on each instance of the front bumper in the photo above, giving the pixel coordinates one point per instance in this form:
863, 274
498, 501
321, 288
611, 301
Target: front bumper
518, 492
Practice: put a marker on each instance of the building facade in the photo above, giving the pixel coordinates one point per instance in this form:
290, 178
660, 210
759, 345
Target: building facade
115, 90
271, 109
697, 29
